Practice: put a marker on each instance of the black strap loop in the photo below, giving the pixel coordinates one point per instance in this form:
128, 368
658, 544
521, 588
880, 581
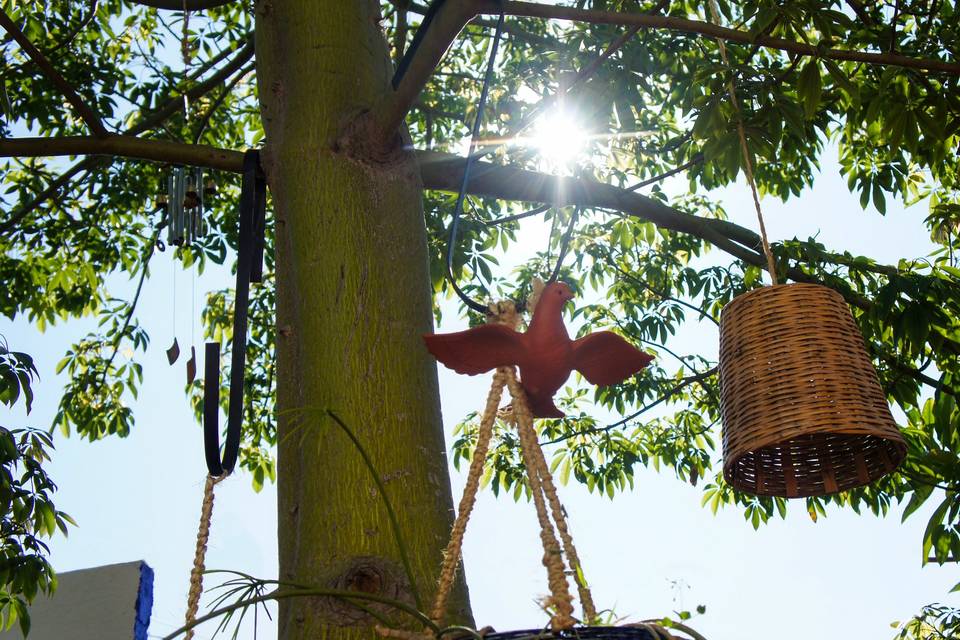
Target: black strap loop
249, 269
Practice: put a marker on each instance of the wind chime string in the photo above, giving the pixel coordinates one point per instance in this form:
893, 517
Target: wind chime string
747, 163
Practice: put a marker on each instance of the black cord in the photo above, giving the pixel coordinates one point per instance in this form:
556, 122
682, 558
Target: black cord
404, 63
564, 244
471, 158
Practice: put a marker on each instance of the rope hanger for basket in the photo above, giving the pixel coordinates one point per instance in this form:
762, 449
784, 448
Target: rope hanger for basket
252, 225
744, 150
542, 490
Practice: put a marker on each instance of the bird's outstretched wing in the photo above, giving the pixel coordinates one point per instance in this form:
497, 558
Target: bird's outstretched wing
605, 358
476, 350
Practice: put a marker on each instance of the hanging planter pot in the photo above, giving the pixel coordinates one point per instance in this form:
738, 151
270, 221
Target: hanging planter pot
596, 633
803, 412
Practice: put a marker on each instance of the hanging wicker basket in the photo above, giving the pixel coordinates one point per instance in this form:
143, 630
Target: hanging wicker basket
803, 412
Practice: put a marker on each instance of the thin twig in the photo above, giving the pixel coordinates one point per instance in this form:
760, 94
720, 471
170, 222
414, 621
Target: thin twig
519, 216
227, 90
695, 160
52, 189
639, 281
148, 253
180, 5
684, 383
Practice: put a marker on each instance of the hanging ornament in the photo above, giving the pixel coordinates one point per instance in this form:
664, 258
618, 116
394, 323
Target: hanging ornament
803, 412
184, 205
545, 354
173, 352
192, 366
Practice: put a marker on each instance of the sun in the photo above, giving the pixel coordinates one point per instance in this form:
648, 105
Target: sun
558, 138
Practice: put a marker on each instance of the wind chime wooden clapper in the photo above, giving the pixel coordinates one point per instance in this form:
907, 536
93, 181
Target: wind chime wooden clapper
545, 356
183, 218
803, 412
252, 224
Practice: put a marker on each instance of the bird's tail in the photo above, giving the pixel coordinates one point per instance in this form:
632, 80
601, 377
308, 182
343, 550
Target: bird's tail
543, 407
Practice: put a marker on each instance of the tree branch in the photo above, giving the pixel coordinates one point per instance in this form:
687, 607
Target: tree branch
697, 159
449, 20
444, 171
127, 147
51, 191
179, 5
535, 10
641, 282
88, 115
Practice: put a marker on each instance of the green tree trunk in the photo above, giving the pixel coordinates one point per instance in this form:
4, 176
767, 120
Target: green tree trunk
353, 300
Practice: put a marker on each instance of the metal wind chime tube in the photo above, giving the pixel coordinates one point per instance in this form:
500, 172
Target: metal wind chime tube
178, 198
184, 208
171, 209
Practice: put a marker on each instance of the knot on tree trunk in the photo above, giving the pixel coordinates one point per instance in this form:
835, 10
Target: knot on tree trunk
365, 142
371, 575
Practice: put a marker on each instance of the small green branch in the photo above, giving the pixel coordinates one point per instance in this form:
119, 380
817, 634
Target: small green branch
391, 514
279, 594
381, 489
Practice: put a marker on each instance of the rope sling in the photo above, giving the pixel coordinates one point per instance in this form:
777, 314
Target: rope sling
543, 491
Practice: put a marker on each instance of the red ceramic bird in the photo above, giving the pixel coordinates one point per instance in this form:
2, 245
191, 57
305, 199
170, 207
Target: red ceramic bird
545, 354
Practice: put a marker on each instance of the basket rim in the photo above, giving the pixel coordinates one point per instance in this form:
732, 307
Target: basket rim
899, 443
777, 288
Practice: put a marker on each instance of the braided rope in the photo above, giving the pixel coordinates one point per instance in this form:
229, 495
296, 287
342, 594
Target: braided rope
203, 535
451, 555
747, 163
560, 518
560, 596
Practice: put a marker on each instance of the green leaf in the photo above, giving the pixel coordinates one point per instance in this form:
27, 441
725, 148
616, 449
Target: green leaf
809, 87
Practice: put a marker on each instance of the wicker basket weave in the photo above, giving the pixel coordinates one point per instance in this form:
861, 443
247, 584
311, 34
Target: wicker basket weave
803, 412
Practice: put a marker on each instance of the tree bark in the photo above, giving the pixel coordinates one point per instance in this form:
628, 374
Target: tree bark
353, 300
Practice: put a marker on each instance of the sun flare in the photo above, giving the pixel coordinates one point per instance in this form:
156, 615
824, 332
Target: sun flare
558, 138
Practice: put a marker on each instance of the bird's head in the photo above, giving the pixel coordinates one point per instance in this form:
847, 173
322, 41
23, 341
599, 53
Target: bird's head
559, 291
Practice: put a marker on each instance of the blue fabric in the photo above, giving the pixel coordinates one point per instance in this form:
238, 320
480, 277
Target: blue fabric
144, 602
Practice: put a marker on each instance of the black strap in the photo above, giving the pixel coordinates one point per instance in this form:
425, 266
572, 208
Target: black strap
249, 269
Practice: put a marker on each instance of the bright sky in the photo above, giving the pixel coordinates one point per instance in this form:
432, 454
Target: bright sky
646, 553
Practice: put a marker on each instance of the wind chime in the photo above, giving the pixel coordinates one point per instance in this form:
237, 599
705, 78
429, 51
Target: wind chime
184, 205
183, 218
